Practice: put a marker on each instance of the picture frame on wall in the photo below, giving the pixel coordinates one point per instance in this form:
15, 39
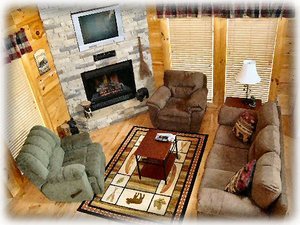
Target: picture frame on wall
41, 61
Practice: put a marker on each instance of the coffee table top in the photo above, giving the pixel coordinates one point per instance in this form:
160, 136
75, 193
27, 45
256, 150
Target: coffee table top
153, 149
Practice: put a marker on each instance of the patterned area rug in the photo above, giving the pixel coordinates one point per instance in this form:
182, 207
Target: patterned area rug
128, 198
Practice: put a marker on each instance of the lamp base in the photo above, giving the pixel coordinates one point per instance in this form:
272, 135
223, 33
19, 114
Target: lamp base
249, 102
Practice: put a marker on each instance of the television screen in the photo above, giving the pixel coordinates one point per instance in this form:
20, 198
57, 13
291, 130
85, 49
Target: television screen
98, 26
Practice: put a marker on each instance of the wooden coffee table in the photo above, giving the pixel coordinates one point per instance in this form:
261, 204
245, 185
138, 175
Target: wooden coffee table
157, 157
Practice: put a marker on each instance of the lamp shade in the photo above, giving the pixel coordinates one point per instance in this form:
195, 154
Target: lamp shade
248, 73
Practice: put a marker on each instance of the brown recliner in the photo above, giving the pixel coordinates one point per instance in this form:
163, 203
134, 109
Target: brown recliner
180, 103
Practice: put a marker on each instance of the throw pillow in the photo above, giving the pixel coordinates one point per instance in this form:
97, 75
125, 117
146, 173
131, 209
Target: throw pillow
241, 181
245, 126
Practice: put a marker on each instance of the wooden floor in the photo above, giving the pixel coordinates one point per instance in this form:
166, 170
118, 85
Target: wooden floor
30, 202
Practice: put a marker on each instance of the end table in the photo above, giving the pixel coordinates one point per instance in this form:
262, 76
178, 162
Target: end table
240, 103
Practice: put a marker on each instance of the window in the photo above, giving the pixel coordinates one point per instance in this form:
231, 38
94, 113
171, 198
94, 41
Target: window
250, 39
22, 113
191, 41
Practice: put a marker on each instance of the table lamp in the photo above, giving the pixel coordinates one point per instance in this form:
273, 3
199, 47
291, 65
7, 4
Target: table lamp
248, 75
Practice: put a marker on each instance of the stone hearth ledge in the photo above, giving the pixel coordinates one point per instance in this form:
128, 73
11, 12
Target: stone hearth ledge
110, 115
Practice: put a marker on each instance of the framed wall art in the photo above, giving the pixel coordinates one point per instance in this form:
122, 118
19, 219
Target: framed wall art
41, 61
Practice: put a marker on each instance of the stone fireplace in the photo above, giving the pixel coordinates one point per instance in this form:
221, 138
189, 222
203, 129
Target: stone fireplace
110, 83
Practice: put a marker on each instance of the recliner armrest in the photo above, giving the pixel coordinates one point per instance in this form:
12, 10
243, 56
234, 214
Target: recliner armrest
198, 100
68, 173
160, 97
76, 141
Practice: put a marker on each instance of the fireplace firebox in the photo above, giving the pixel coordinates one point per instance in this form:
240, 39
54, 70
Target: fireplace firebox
109, 85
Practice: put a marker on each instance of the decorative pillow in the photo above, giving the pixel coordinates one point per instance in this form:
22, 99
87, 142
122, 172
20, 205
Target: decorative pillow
245, 126
241, 181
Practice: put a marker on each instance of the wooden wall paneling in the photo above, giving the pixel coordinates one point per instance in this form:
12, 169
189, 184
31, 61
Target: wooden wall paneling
27, 63
286, 88
156, 48
277, 63
283, 74
220, 31
25, 15
166, 46
46, 87
56, 105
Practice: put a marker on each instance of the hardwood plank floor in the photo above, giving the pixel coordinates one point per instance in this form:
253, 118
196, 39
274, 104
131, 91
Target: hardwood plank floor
30, 202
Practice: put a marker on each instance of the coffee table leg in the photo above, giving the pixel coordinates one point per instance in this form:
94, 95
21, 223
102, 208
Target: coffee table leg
137, 163
165, 172
175, 142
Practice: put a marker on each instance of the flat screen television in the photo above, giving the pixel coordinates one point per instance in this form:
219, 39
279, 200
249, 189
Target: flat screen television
98, 27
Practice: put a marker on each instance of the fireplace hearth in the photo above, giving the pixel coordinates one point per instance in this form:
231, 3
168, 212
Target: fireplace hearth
109, 85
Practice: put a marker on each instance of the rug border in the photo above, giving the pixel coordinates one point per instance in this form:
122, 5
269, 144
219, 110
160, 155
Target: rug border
79, 209
194, 177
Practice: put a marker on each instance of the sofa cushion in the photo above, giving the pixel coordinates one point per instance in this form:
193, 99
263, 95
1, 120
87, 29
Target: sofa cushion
75, 156
47, 132
76, 141
225, 136
215, 178
174, 113
229, 115
175, 107
266, 186
56, 160
183, 83
245, 126
182, 92
267, 140
227, 158
45, 136
45, 149
240, 182
68, 173
267, 115
216, 202
93, 159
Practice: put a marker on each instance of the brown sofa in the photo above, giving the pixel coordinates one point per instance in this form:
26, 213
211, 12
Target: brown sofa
180, 103
267, 196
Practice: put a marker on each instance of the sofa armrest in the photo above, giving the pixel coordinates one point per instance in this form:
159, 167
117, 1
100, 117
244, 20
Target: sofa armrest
68, 173
215, 202
198, 100
76, 141
229, 115
159, 98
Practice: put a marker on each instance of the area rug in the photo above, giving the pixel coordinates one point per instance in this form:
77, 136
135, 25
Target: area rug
128, 198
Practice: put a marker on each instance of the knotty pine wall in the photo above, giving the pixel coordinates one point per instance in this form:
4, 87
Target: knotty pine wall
283, 77
282, 81
46, 88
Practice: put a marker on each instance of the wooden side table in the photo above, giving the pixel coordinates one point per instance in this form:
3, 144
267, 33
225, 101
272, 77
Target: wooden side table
240, 103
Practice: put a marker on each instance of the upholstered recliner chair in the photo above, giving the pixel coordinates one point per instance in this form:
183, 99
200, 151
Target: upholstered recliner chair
68, 170
180, 103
